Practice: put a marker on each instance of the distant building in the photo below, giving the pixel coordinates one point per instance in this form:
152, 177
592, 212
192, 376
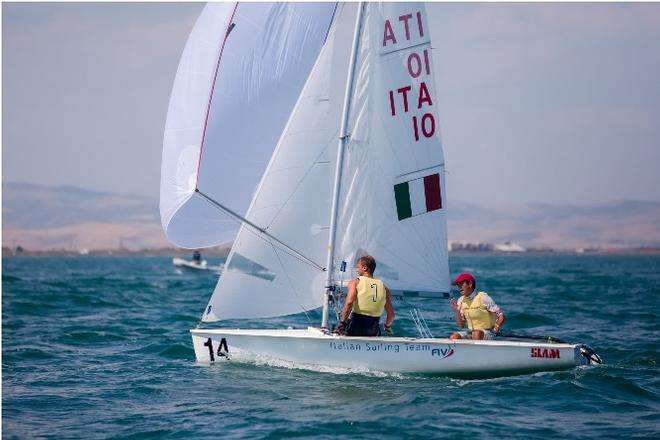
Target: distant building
466, 246
509, 247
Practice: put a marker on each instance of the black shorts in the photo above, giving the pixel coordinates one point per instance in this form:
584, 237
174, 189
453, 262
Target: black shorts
363, 325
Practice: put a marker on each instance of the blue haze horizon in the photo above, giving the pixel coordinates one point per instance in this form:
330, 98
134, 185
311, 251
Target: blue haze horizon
543, 102
99, 347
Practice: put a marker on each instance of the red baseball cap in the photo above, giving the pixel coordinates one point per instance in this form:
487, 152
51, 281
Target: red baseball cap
464, 277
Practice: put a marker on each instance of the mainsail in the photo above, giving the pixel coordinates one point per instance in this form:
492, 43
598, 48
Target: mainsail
392, 196
239, 77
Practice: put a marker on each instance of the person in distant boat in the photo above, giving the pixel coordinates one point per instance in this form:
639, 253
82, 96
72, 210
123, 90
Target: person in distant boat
483, 317
197, 257
366, 300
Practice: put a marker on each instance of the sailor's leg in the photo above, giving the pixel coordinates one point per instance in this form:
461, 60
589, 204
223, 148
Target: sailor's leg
477, 334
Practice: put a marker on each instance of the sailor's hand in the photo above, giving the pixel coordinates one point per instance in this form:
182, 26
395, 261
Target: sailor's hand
454, 304
341, 328
497, 329
388, 329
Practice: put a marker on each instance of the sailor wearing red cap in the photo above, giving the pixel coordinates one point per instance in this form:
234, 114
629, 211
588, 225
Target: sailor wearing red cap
476, 309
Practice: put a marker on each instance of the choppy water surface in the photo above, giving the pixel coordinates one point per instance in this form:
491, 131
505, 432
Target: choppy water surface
99, 348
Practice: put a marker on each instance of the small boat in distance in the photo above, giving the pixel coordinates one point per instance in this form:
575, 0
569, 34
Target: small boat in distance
182, 263
195, 264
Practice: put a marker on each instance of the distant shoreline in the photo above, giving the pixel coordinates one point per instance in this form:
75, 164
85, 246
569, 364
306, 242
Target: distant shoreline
224, 252
161, 252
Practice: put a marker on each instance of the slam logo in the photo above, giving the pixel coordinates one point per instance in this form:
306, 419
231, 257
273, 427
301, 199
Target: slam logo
442, 352
547, 353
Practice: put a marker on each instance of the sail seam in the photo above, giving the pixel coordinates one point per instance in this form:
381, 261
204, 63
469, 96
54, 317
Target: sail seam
407, 48
300, 182
229, 28
420, 171
293, 287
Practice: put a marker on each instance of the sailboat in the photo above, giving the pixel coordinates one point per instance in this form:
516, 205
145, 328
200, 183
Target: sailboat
342, 99
202, 265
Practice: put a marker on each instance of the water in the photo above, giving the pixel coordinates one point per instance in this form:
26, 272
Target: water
99, 348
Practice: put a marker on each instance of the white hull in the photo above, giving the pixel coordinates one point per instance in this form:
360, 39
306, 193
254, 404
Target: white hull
311, 347
202, 265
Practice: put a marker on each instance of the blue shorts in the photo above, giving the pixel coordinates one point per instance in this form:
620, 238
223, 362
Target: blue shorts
489, 335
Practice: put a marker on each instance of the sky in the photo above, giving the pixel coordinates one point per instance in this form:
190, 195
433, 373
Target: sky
546, 103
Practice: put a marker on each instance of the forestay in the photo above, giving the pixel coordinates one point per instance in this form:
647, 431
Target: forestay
392, 194
239, 77
262, 278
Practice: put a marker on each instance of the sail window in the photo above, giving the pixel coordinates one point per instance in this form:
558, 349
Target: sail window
244, 265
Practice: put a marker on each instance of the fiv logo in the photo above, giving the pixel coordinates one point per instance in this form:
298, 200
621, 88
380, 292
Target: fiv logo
442, 352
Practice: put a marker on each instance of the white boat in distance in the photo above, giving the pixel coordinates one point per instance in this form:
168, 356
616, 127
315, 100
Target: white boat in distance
343, 101
193, 265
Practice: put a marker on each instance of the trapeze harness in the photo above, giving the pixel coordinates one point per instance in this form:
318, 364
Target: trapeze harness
368, 307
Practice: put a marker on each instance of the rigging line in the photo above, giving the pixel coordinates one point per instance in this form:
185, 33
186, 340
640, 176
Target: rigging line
247, 222
295, 292
426, 326
422, 322
266, 240
412, 315
416, 320
300, 182
416, 311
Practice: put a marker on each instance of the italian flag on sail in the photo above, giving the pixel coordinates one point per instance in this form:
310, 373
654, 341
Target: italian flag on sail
418, 196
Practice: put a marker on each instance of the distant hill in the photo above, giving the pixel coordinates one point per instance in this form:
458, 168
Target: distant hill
44, 218
37, 207
617, 224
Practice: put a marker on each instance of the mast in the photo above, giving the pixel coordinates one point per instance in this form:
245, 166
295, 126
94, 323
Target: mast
343, 139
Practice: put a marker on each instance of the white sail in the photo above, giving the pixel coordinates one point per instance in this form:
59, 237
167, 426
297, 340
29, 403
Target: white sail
241, 72
392, 194
262, 278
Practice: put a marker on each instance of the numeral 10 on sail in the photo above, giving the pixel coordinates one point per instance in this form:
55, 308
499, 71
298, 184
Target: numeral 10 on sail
410, 35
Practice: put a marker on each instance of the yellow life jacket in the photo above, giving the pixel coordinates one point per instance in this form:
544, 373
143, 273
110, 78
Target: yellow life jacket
476, 314
370, 297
